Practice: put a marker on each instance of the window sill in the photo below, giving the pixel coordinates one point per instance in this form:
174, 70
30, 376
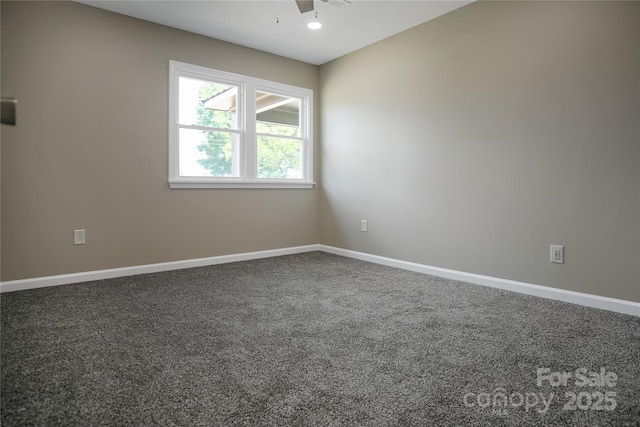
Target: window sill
239, 184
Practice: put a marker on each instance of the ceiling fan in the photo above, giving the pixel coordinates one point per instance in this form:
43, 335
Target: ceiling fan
307, 5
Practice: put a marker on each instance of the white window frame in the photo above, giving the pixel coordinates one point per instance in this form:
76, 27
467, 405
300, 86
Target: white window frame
247, 146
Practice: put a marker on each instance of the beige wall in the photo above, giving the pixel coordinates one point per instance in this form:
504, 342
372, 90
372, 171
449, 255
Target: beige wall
471, 142
476, 140
90, 148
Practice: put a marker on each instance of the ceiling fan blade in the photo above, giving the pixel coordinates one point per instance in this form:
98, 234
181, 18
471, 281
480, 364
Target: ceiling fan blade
305, 5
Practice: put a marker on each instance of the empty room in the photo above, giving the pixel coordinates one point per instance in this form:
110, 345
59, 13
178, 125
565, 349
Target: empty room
320, 212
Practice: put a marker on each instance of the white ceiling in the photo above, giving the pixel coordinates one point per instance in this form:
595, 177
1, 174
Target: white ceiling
253, 23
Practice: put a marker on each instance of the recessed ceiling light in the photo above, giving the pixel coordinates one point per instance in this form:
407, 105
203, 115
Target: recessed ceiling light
314, 25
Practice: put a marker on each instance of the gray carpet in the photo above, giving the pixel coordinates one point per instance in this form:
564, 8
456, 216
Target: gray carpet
310, 339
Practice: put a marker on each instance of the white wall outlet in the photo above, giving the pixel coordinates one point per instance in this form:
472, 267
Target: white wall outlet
79, 237
364, 226
557, 254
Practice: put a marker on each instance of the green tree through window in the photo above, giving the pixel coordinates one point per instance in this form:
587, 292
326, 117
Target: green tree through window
278, 156
219, 147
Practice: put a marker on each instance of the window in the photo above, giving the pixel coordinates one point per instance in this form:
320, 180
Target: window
233, 131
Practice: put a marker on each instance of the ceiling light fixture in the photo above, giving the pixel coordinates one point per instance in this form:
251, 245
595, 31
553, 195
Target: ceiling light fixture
315, 25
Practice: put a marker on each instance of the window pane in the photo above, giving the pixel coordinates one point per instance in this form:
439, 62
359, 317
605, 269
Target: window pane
279, 158
207, 153
204, 103
277, 114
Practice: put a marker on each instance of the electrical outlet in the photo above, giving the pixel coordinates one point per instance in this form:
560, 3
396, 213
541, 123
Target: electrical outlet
364, 226
79, 237
557, 254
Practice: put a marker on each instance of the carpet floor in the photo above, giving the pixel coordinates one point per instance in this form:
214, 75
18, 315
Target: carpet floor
311, 339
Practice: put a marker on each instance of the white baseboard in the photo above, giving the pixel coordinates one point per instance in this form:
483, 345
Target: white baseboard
65, 279
588, 300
